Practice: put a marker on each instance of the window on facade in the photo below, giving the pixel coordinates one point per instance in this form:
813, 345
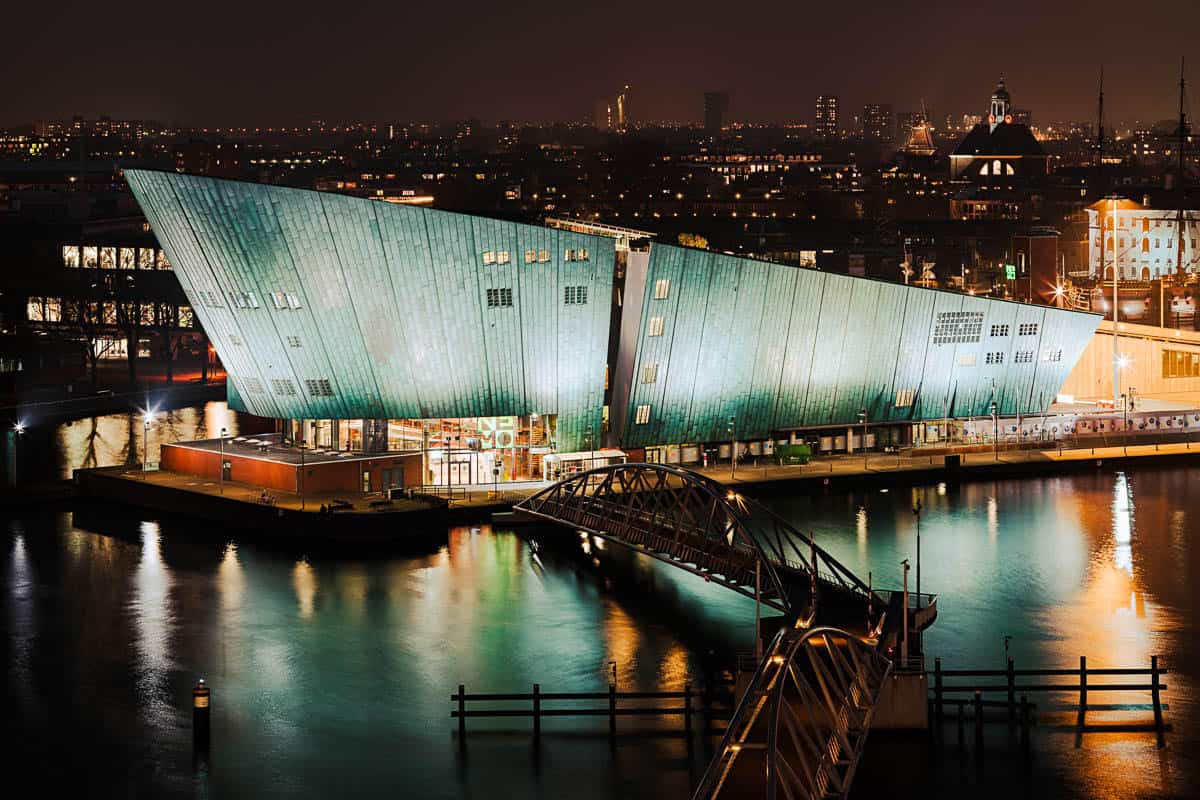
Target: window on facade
966, 359
293, 301
957, 327
54, 309
108, 258
649, 373
643, 415
1052, 355
1027, 329
654, 327
568, 255
905, 398
1181, 364
283, 387
145, 258
126, 258
502, 257
582, 254
543, 256
1023, 357
186, 318
34, 309
318, 387
91, 257
279, 299
575, 295
530, 256
662, 289
71, 256
994, 358
253, 385
489, 257
499, 298
999, 330
293, 341
235, 340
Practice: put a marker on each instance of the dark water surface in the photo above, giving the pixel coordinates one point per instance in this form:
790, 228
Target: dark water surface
332, 674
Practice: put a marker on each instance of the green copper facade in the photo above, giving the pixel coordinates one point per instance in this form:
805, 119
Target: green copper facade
783, 348
326, 306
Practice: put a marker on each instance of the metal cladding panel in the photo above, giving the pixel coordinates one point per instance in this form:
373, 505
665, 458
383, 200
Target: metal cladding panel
913, 349
741, 337
770, 353
388, 304
803, 315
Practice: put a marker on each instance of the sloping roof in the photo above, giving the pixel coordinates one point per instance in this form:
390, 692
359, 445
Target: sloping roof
1008, 139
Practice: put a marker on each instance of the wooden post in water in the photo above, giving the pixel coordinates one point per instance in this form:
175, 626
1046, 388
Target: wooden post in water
687, 710
1082, 692
937, 688
537, 712
1010, 673
1157, 696
1025, 723
612, 712
462, 713
978, 722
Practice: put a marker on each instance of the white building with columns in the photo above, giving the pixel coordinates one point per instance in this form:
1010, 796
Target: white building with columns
1142, 242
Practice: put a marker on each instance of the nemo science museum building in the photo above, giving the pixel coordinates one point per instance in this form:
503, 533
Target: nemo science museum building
504, 351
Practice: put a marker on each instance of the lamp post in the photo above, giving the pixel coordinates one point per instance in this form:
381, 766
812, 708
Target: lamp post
904, 617
995, 433
917, 514
221, 466
147, 418
733, 446
302, 464
862, 418
1125, 423
1116, 312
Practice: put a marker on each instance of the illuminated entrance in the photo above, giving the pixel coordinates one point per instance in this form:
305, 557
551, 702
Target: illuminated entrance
455, 452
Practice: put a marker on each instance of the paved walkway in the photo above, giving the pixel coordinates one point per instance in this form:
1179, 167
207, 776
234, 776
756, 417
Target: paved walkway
747, 473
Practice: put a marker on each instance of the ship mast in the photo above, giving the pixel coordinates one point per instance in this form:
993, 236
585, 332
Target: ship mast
1182, 134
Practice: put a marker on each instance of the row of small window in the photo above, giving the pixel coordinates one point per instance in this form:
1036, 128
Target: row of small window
957, 327
55, 309
283, 301
534, 256
92, 257
236, 341
503, 297
283, 387
1024, 329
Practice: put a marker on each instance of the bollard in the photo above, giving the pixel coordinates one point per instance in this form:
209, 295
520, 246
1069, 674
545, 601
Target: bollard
1010, 673
462, 714
200, 713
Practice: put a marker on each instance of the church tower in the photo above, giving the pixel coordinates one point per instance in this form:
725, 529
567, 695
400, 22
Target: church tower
1001, 107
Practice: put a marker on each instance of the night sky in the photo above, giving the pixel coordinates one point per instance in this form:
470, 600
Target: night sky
259, 63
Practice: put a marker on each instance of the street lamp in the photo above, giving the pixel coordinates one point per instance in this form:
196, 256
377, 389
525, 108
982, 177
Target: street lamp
1125, 424
995, 433
733, 446
904, 619
862, 418
147, 418
221, 466
917, 514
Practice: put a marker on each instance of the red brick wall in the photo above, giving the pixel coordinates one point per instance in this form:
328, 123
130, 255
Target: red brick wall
337, 476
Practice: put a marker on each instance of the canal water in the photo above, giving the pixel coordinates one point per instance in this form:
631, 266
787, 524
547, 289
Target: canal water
332, 673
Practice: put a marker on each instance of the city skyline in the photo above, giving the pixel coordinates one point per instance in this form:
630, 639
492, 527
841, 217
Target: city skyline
276, 66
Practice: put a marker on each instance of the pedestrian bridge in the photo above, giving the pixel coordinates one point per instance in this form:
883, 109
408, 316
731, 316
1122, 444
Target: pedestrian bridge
800, 726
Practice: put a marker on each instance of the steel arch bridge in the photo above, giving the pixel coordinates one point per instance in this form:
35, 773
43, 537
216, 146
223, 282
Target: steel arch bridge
696, 524
800, 728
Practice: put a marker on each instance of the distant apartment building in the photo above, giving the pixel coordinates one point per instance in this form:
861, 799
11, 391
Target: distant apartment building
879, 123
716, 108
826, 126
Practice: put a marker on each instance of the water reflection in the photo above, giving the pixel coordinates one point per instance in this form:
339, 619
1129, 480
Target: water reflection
150, 607
350, 660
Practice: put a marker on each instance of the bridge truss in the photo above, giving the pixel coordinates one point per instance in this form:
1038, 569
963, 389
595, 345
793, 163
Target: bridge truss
799, 730
694, 523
